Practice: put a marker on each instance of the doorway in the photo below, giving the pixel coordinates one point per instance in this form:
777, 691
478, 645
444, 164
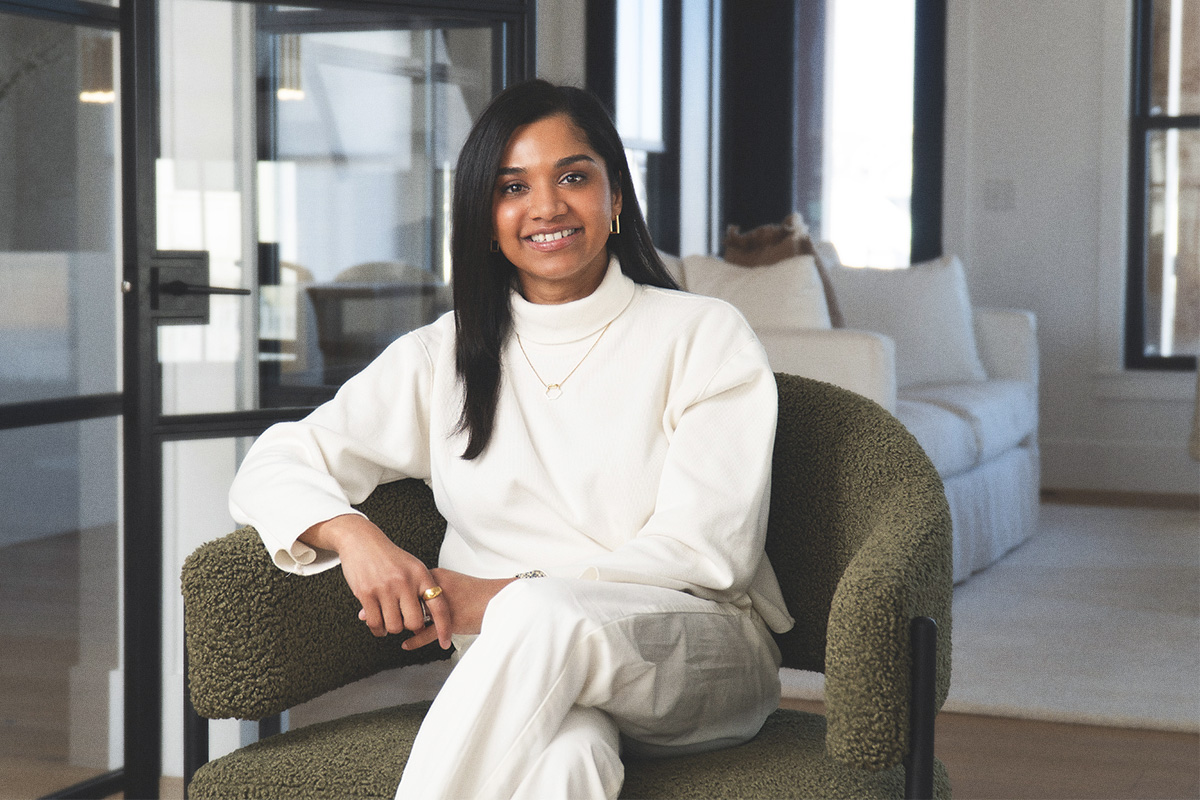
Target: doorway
276, 190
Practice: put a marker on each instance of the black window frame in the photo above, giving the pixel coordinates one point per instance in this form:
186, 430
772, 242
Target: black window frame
662, 168
1141, 124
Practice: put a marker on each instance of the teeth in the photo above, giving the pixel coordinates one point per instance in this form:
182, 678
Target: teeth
552, 237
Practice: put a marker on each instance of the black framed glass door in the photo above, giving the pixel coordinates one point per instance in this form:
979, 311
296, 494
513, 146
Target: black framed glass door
287, 206
60, 400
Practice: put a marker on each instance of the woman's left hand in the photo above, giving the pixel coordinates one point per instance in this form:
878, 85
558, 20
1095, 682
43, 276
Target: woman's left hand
467, 597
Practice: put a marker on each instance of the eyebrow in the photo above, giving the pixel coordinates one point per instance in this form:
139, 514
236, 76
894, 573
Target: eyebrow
562, 162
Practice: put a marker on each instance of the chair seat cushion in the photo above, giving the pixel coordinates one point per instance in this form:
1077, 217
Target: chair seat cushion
362, 756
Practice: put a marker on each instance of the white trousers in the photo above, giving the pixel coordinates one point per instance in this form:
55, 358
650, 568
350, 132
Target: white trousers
566, 673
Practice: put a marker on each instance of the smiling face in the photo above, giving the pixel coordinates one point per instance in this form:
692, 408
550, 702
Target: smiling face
551, 210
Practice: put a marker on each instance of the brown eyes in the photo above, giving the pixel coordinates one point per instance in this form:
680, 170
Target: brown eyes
516, 187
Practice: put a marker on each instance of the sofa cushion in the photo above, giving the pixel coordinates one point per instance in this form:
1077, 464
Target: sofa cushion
770, 244
925, 309
1000, 413
783, 296
946, 437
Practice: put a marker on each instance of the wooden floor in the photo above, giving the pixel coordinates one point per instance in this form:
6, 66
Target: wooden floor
995, 757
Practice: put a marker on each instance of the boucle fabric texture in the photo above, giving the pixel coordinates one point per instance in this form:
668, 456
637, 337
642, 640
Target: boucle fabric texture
859, 535
362, 756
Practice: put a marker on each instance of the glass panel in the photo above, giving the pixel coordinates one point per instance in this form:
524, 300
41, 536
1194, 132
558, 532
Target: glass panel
60, 699
639, 74
311, 154
195, 495
1175, 58
60, 585
867, 183
58, 214
1172, 289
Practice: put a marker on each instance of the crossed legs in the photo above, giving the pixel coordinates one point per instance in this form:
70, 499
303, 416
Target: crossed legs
566, 672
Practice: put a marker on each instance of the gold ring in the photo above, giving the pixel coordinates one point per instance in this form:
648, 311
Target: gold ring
431, 592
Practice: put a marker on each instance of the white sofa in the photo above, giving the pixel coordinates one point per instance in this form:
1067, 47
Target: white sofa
963, 380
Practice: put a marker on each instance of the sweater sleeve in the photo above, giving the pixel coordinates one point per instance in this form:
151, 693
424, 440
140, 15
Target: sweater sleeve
375, 430
707, 532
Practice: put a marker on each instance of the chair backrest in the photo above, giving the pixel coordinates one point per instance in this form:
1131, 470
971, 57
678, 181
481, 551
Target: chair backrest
845, 471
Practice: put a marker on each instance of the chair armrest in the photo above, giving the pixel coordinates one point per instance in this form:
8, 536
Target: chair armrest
903, 570
260, 640
861, 361
1007, 341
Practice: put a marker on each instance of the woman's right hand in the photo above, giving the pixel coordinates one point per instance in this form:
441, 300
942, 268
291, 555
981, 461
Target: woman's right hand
386, 579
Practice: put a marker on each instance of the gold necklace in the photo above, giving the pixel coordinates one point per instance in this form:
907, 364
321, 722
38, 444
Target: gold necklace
554, 390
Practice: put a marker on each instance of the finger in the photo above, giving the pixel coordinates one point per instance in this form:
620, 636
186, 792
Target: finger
443, 622
370, 614
395, 616
414, 617
420, 638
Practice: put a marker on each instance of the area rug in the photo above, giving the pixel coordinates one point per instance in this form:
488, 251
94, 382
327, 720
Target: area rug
1095, 619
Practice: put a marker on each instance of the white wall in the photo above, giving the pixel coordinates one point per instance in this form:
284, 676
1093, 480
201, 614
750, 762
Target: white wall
1037, 109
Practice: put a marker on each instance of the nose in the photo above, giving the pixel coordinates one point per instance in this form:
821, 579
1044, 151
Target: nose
546, 203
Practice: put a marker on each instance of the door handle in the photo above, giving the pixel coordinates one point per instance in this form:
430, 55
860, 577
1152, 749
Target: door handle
180, 288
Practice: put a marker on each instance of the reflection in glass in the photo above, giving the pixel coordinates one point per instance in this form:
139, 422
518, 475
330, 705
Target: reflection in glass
1175, 57
1172, 289
58, 223
60, 589
354, 196
311, 153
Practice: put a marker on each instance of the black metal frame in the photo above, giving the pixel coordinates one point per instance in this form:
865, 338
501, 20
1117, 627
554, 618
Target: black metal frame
918, 764
55, 410
929, 118
1141, 123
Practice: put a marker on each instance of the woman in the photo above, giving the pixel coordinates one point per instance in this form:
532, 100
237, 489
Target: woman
600, 446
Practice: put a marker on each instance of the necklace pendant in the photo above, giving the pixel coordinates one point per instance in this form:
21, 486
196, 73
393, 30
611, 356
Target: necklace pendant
553, 391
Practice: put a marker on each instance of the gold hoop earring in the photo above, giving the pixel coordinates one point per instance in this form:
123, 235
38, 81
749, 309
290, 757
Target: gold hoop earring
494, 247
615, 225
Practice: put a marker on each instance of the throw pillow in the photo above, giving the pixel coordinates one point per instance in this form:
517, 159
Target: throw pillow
927, 312
784, 296
770, 244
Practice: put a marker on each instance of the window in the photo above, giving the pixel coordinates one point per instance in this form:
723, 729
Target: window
633, 55
869, 131
1163, 299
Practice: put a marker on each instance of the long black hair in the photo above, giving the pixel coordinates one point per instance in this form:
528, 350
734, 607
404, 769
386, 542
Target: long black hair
482, 279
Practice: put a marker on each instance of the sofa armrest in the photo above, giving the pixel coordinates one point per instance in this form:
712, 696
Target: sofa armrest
1007, 341
861, 361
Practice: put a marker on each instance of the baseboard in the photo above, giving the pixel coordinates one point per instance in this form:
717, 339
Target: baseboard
1093, 497
1120, 466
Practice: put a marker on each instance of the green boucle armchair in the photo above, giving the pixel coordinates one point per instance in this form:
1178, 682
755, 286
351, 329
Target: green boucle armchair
859, 536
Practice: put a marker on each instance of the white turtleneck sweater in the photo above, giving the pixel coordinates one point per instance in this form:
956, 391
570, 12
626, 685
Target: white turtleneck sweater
653, 467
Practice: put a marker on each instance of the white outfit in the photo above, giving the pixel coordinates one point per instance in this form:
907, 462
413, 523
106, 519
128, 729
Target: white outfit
651, 472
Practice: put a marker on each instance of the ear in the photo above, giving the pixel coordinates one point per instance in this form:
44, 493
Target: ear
616, 200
